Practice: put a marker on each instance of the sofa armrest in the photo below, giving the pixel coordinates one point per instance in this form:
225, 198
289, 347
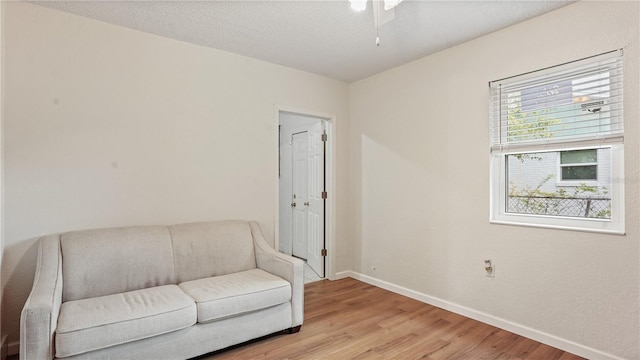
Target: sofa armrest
39, 315
285, 266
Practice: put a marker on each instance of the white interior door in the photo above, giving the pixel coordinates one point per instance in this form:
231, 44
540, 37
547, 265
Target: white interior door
300, 198
315, 209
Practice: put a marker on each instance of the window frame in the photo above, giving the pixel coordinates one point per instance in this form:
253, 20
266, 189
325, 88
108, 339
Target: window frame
499, 187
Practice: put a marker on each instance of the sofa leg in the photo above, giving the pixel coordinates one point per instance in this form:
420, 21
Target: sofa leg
293, 330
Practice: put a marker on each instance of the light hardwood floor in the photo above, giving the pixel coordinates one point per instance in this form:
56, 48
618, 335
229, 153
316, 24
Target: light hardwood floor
349, 319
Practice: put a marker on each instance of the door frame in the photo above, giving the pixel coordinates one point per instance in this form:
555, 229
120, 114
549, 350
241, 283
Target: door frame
330, 183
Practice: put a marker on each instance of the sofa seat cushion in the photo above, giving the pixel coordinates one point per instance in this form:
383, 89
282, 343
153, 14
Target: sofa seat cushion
229, 295
96, 323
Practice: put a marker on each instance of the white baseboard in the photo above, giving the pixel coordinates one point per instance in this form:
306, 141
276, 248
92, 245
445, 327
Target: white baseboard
545, 338
13, 348
343, 275
3, 348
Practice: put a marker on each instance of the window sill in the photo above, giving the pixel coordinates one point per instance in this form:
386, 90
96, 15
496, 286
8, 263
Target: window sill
609, 229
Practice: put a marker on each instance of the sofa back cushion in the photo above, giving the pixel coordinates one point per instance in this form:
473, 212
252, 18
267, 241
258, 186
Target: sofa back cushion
110, 261
213, 248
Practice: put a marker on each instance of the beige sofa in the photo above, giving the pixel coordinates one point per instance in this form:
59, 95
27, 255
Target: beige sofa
158, 292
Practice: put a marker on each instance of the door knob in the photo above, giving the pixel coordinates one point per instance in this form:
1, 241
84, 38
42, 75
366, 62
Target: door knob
293, 204
306, 203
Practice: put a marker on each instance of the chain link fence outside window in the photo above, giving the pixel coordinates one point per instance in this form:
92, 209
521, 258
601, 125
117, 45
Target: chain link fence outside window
585, 207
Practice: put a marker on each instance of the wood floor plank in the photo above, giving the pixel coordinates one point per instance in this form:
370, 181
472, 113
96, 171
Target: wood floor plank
543, 351
522, 347
349, 319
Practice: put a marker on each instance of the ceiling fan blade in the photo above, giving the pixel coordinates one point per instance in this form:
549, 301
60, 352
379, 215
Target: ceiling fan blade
390, 4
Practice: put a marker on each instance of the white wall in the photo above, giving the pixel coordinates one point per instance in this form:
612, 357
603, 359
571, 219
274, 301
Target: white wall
419, 160
107, 126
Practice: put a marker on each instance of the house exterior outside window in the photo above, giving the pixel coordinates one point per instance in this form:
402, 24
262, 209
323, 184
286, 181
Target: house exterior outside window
579, 166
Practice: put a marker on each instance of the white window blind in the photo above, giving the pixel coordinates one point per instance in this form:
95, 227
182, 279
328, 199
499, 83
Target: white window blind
578, 101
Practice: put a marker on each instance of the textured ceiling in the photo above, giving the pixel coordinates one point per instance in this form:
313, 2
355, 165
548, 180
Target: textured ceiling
322, 37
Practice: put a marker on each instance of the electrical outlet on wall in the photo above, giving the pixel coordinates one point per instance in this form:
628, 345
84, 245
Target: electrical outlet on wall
489, 268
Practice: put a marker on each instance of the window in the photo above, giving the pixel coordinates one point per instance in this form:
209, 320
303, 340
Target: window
557, 148
579, 166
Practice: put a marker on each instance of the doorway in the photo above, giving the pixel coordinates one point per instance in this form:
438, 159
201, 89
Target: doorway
302, 190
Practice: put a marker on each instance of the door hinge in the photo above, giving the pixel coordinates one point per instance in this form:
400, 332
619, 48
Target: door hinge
324, 194
324, 136
324, 252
